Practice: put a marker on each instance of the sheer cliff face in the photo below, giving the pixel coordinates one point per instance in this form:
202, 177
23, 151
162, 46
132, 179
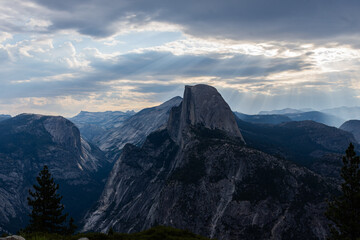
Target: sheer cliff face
27, 143
199, 175
202, 105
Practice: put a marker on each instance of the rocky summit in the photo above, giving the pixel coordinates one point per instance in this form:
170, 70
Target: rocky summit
27, 143
202, 105
198, 174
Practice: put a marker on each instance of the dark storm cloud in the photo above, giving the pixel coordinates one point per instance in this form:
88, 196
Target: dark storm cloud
237, 19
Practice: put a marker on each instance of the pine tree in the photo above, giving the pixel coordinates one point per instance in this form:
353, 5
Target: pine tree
344, 211
111, 231
47, 210
72, 227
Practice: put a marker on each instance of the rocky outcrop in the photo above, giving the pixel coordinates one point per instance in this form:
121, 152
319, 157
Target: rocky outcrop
353, 127
135, 129
199, 175
63, 132
27, 143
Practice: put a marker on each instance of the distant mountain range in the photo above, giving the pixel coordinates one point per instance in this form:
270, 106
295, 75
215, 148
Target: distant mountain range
340, 113
330, 117
4, 117
284, 111
263, 119
292, 115
316, 116
347, 113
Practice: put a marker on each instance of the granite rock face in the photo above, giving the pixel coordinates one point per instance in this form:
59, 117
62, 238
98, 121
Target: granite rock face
135, 129
202, 105
27, 143
93, 125
199, 175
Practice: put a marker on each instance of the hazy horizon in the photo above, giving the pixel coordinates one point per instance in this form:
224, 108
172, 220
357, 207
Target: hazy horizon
137, 110
58, 58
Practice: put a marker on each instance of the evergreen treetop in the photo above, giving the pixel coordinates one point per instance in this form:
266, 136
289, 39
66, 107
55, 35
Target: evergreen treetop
47, 210
344, 211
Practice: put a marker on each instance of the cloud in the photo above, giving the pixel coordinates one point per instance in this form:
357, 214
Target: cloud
20, 17
156, 88
154, 73
154, 65
4, 57
147, 66
245, 19
317, 99
113, 53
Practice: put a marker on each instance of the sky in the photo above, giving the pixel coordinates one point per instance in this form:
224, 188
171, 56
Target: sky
61, 57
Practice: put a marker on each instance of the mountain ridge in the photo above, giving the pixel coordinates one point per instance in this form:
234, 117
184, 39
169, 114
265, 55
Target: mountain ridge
212, 184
